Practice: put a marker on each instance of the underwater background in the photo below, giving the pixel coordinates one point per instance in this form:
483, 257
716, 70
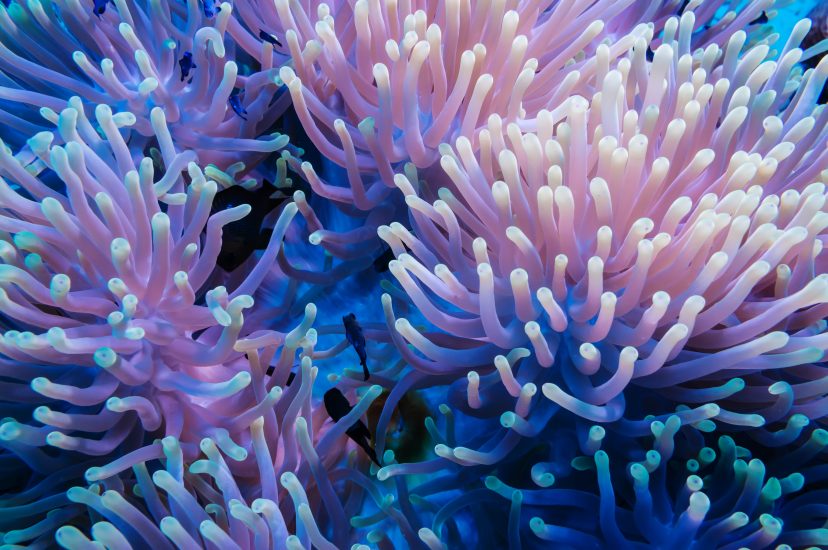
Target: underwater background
413, 274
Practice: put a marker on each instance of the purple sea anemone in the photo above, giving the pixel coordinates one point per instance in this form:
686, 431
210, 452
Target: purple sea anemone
135, 56
265, 488
111, 333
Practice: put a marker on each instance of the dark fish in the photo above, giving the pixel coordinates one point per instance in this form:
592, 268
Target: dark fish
208, 7
186, 64
337, 406
241, 238
235, 104
353, 332
381, 263
761, 20
99, 7
267, 37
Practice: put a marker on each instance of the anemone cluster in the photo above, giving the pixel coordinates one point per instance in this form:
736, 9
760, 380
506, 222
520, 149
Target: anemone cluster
576, 248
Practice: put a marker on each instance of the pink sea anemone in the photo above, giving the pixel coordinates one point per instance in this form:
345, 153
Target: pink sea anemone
381, 88
650, 235
378, 84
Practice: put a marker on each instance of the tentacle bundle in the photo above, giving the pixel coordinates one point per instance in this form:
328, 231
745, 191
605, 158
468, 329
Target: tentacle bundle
381, 87
577, 486
721, 497
378, 84
652, 236
129, 58
264, 487
112, 336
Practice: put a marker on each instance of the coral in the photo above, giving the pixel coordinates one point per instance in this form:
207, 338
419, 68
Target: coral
131, 58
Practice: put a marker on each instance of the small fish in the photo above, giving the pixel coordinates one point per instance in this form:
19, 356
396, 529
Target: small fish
267, 37
353, 332
100, 7
243, 237
337, 406
381, 263
208, 7
235, 104
186, 64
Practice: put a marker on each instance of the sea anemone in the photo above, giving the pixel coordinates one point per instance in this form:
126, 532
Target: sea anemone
268, 487
592, 488
383, 87
673, 494
378, 84
652, 237
135, 56
604, 323
274, 476
111, 335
